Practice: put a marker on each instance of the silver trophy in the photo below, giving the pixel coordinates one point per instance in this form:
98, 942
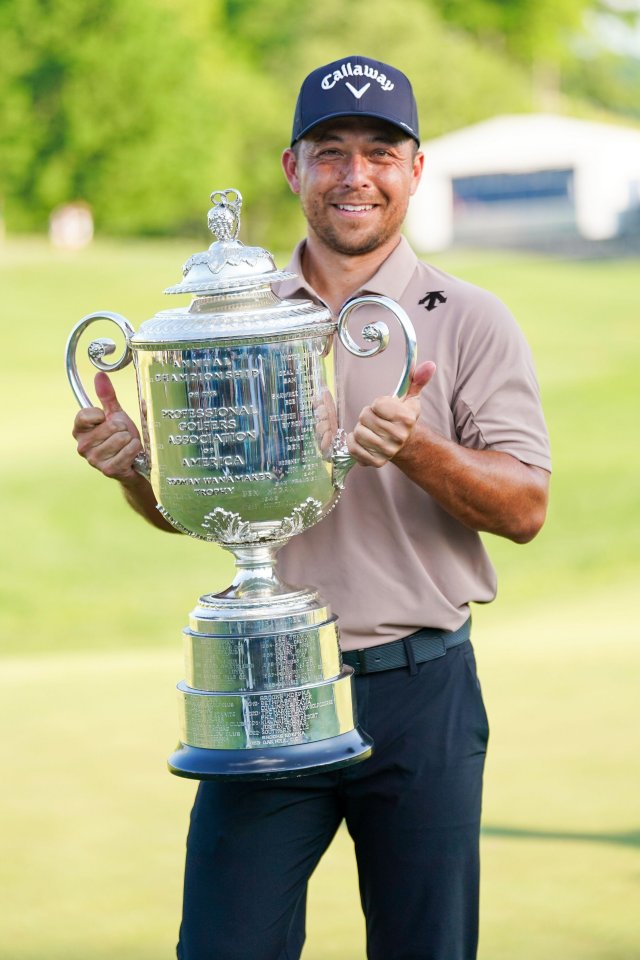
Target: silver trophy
242, 447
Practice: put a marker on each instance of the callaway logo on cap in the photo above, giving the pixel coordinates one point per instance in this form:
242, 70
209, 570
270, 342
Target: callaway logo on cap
356, 86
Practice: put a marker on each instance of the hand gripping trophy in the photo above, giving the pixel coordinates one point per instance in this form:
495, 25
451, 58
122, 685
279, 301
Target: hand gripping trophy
242, 447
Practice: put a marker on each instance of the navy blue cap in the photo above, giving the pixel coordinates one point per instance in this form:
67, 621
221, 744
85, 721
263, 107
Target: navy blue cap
356, 86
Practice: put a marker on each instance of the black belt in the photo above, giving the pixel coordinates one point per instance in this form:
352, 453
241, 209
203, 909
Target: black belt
425, 644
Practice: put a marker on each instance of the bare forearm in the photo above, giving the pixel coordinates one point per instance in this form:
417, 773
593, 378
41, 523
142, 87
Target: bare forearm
140, 496
483, 489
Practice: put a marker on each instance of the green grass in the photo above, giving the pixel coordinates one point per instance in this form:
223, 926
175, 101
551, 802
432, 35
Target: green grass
93, 603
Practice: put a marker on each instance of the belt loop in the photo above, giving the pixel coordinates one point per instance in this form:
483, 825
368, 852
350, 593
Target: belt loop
362, 662
411, 660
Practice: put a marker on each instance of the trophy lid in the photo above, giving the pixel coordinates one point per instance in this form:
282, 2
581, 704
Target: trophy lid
228, 266
232, 299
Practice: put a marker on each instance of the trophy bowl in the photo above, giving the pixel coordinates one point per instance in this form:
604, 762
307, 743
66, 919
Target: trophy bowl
243, 447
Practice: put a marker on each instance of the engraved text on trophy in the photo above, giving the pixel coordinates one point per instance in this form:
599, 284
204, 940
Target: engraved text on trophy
236, 425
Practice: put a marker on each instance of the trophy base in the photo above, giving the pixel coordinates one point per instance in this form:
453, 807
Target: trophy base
266, 693
271, 763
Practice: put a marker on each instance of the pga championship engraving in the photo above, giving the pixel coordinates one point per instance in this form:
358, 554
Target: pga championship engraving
243, 447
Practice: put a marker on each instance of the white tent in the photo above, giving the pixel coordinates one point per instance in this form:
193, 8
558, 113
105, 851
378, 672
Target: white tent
592, 173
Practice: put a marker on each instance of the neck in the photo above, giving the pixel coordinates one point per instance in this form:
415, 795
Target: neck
337, 276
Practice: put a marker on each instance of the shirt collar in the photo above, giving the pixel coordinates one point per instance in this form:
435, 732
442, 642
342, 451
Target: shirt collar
390, 280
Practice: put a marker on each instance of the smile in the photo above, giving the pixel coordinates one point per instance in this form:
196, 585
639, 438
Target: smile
355, 207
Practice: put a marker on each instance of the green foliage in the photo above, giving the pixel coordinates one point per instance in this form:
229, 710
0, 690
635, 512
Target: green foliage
455, 80
528, 30
558, 40
141, 109
121, 105
80, 107
606, 79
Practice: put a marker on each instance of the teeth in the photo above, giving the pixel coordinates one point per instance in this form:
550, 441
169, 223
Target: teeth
354, 207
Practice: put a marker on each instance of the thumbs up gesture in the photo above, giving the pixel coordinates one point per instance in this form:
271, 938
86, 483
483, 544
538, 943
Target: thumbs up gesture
107, 438
384, 427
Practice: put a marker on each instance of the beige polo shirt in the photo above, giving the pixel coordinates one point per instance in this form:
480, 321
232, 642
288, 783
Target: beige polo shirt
388, 559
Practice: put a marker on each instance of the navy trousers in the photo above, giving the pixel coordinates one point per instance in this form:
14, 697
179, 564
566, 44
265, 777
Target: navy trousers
412, 809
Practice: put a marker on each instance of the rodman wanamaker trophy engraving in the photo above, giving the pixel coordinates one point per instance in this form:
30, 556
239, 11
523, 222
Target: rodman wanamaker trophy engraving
242, 447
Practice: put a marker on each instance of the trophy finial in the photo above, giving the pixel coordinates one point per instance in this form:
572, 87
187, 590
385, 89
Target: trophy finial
228, 265
224, 216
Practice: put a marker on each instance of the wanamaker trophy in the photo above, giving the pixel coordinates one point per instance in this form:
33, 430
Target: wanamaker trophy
242, 447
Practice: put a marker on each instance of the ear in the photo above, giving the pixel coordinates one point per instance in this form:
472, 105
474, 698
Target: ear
416, 173
290, 167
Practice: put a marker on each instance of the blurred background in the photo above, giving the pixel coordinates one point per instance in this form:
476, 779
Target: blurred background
117, 119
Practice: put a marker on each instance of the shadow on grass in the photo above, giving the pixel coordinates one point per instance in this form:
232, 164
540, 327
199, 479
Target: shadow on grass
629, 839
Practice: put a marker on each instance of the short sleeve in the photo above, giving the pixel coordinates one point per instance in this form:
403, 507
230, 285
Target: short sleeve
496, 402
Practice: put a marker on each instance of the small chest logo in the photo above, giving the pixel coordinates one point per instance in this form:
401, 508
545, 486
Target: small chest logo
433, 299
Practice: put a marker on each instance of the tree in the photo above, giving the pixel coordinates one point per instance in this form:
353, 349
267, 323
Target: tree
143, 108
529, 30
103, 100
557, 40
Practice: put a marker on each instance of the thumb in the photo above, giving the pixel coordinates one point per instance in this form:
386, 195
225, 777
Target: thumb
420, 378
106, 394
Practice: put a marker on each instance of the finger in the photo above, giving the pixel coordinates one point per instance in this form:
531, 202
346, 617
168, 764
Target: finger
120, 467
384, 445
96, 435
387, 430
119, 464
107, 394
391, 410
325, 409
87, 419
367, 458
420, 378
98, 448
325, 443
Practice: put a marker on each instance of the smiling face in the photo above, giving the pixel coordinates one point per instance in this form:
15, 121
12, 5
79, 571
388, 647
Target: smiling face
354, 177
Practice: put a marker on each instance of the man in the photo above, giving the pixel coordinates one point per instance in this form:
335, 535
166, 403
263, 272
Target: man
399, 561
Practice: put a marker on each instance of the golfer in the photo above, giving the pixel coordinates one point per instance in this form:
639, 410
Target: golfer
399, 560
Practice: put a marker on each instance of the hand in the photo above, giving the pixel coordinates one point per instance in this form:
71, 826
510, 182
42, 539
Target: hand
384, 427
108, 439
326, 420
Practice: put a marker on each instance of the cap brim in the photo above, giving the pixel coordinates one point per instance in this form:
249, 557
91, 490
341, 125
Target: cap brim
392, 121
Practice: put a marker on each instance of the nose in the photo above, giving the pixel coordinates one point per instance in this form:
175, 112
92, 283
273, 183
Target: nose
355, 171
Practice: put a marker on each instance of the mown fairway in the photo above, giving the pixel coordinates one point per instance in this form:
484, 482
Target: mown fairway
93, 603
